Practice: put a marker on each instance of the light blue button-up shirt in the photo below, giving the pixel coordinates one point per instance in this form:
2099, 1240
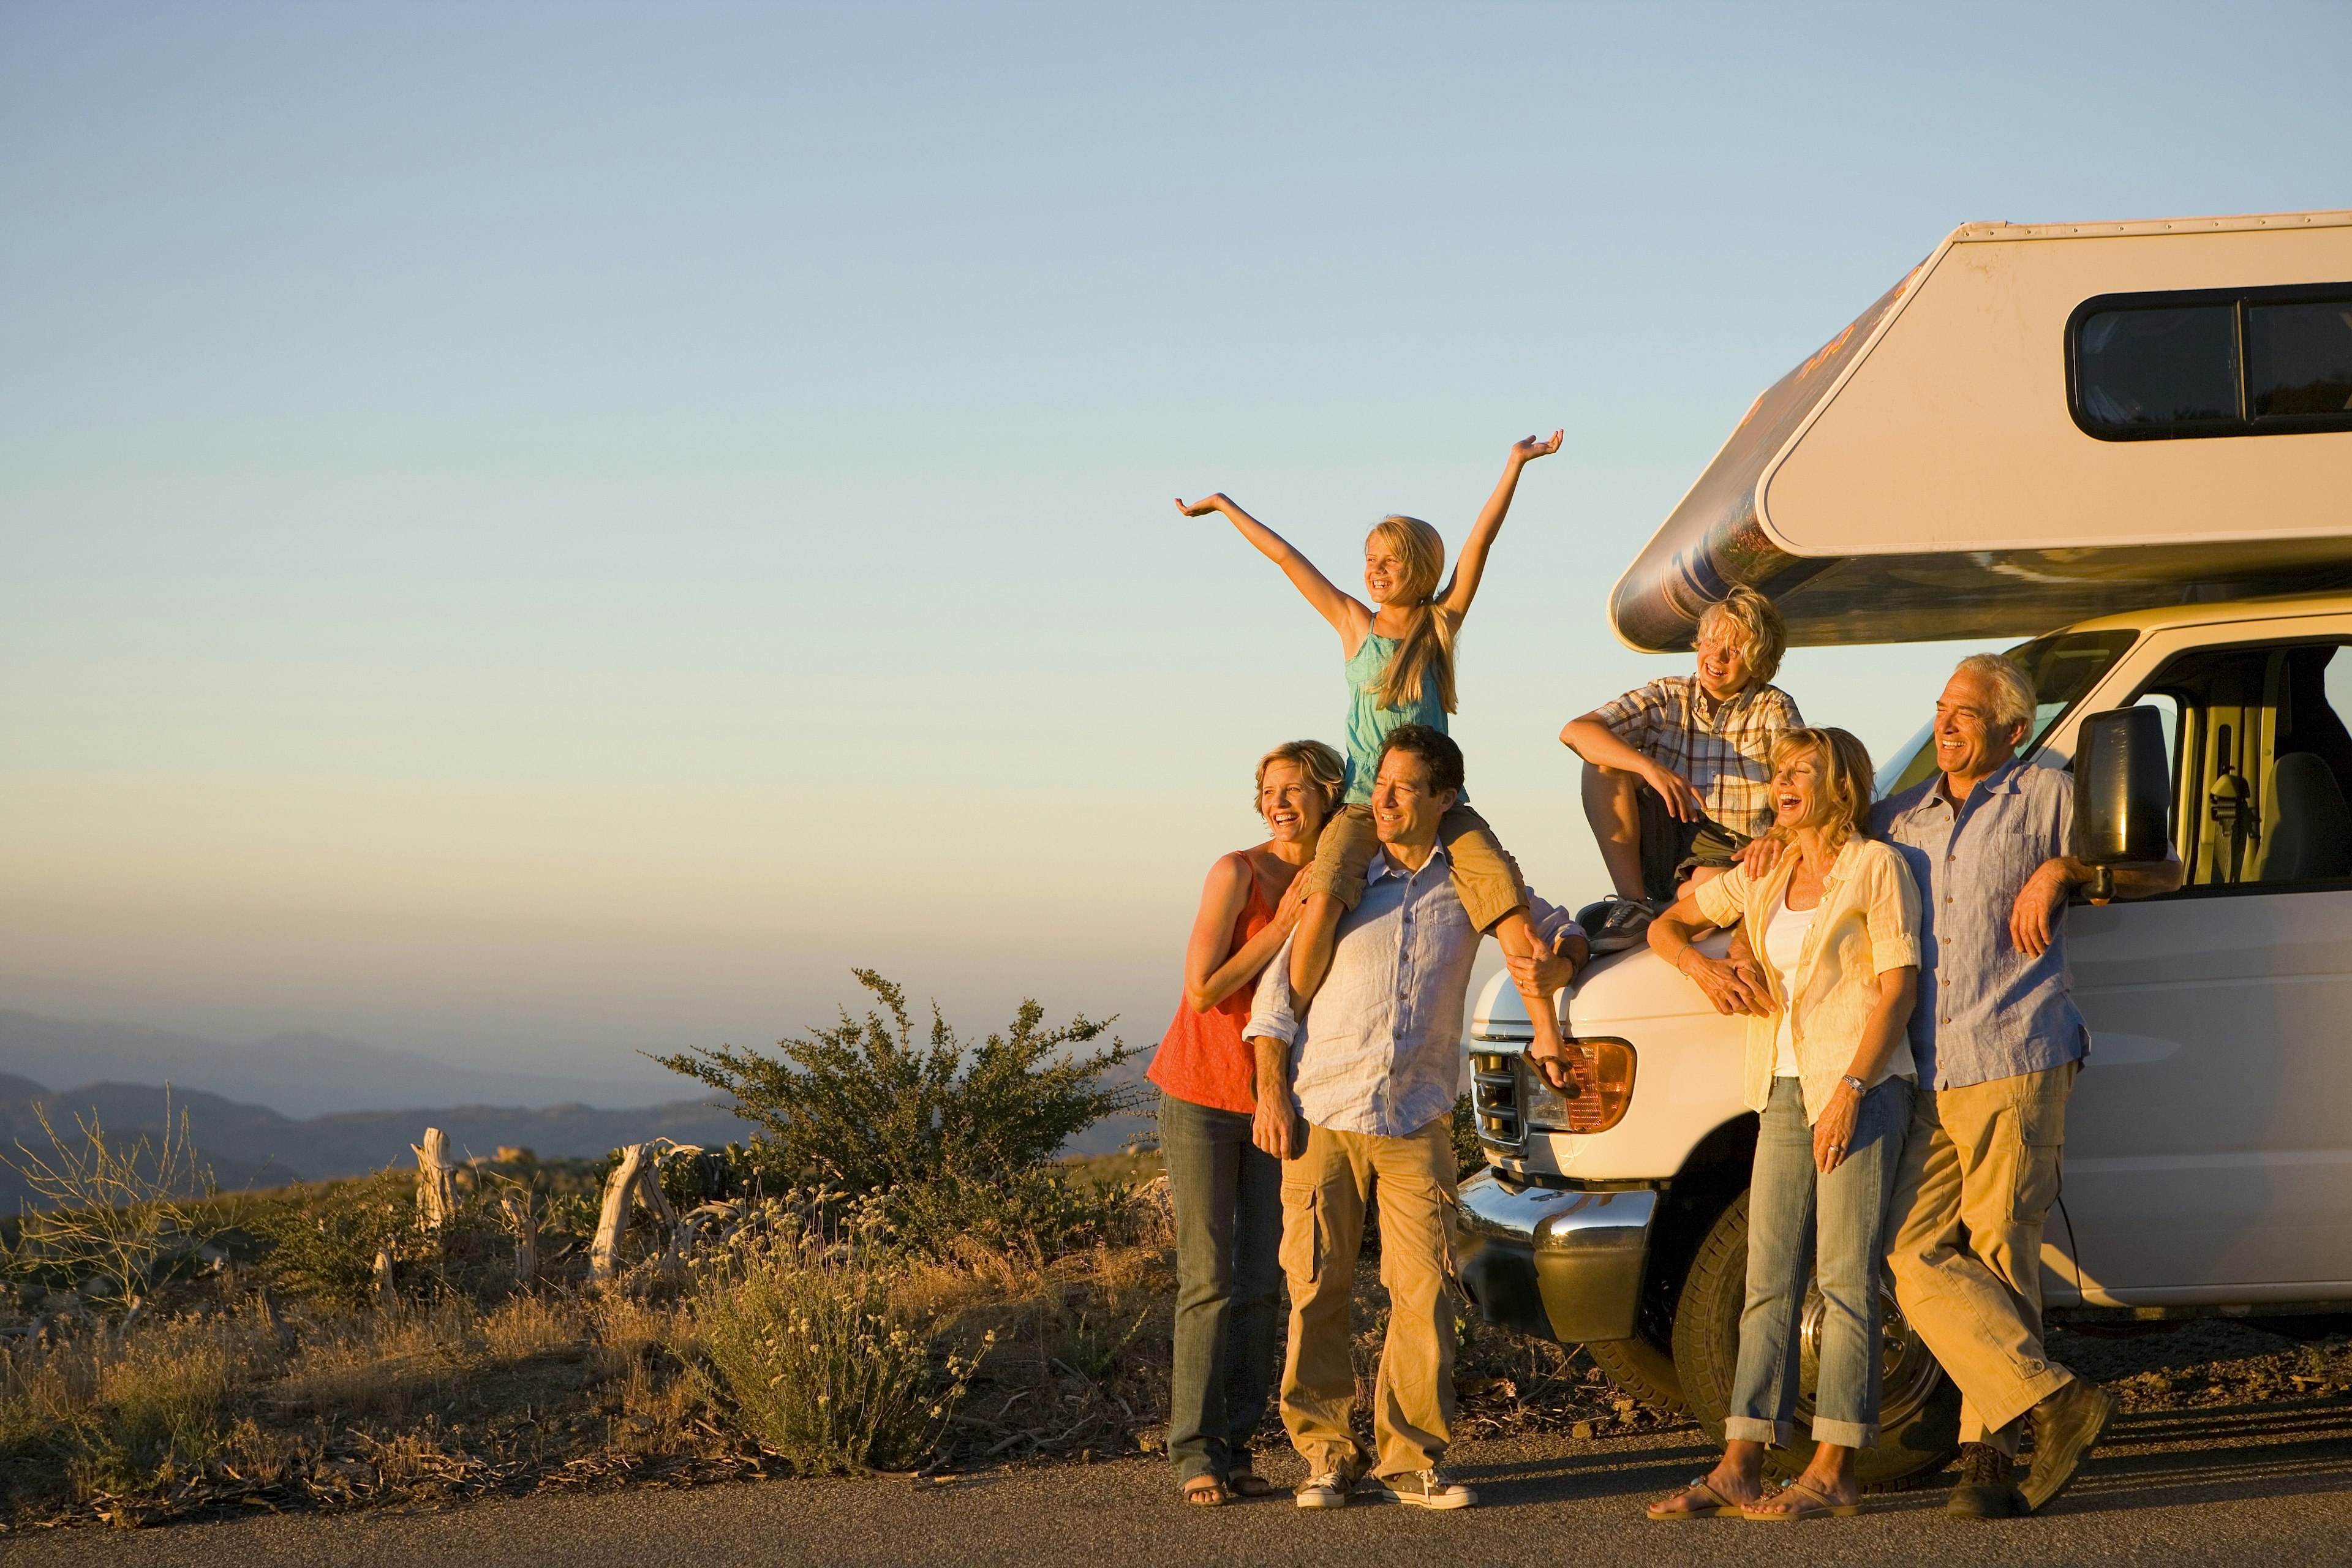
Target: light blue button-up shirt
1986, 1010
1381, 1051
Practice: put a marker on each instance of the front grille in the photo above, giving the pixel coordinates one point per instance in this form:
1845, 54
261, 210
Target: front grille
1495, 1100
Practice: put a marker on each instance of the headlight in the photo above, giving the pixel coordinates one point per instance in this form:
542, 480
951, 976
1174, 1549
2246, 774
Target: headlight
1604, 1089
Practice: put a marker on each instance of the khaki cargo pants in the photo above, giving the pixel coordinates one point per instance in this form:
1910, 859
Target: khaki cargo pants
1323, 1196
1983, 1161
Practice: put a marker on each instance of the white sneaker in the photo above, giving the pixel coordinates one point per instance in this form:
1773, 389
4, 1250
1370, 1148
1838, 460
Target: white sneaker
1423, 1489
1328, 1489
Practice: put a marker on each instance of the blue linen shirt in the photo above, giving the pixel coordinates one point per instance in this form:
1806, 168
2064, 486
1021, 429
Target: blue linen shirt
1380, 1048
1986, 1010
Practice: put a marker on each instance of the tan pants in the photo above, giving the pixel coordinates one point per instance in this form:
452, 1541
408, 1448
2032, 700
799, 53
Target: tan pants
1323, 1194
1982, 1160
1485, 878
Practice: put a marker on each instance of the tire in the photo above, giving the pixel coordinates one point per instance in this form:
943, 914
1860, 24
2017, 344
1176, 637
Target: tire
1920, 1411
1643, 1370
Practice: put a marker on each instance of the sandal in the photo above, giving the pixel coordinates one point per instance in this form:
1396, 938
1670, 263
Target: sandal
1246, 1482
1807, 1503
1713, 1503
1205, 1491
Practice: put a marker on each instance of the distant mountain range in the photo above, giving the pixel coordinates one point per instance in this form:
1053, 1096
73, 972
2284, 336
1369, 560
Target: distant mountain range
310, 1107
295, 1075
253, 1146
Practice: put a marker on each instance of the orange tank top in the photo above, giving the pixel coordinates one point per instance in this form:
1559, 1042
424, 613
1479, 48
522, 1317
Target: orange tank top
1202, 1057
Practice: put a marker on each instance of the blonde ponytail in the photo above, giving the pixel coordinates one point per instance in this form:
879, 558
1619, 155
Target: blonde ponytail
1426, 651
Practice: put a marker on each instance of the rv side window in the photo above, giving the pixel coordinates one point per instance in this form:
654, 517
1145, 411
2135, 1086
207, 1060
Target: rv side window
2212, 362
2302, 358
2141, 368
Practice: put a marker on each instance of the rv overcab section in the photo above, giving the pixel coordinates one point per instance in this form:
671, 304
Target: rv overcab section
2039, 424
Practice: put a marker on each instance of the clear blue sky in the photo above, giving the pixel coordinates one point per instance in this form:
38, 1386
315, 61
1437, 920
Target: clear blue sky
531, 531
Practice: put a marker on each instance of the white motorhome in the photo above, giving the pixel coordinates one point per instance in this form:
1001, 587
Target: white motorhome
2140, 434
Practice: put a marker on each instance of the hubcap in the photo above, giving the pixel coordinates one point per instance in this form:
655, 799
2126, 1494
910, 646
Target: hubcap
1910, 1373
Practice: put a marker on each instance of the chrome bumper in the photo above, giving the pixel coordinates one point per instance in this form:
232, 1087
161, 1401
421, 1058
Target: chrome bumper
1565, 1265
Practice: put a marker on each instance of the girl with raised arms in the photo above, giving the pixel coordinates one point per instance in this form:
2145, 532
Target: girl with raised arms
1398, 653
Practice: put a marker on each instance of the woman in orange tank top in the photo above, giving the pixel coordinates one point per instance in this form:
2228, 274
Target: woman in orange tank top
1227, 1191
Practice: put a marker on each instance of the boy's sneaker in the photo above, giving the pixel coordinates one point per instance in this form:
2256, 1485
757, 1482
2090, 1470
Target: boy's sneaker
1423, 1489
1627, 925
1328, 1489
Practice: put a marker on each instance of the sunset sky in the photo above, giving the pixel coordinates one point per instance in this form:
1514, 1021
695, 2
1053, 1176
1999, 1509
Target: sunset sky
534, 533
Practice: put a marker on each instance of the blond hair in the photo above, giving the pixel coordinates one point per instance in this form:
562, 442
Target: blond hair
1317, 764
1426, 653
1747, 619
1841, 784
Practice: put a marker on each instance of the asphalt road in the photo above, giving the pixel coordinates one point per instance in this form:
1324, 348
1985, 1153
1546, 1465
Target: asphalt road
2270, 1485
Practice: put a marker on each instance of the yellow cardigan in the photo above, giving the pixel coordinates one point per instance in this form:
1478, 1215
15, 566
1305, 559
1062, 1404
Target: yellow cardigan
1868, 922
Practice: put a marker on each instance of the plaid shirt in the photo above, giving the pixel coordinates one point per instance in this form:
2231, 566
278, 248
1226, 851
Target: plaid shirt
1725, 748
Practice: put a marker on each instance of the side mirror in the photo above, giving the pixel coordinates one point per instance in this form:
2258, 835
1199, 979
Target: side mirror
2123, 791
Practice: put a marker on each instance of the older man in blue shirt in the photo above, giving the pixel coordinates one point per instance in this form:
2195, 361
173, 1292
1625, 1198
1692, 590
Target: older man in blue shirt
1997, 1041
1372, 1076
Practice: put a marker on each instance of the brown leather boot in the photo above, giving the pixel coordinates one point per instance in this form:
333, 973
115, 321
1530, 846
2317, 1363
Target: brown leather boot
2065, 1427
1984, 1492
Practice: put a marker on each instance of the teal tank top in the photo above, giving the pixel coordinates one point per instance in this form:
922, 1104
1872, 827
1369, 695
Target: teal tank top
1369, 723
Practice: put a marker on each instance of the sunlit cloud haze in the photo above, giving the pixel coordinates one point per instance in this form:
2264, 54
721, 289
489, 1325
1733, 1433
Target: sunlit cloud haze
529, 533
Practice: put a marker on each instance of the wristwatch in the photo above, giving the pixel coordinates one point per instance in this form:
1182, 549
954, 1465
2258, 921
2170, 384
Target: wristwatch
1855, 1084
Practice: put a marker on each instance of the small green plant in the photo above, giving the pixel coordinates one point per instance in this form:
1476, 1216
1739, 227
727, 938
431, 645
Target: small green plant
111, 1213
815, 1362
1093, 1345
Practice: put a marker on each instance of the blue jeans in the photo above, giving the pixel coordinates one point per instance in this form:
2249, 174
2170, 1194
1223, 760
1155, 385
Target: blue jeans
1228, 1199
1796, 1214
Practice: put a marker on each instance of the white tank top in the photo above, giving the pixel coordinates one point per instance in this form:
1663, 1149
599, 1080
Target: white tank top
1784, 939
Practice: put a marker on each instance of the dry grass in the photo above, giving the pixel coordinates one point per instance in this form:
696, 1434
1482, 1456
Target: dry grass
214, 1400
527, 1326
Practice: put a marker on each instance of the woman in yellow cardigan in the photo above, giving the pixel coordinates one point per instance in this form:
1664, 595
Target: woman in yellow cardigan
1834, 920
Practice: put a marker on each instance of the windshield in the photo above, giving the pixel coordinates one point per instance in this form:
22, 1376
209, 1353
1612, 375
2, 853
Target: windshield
2063, 667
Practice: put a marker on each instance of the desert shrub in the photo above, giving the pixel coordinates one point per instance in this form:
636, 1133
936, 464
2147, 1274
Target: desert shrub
1039, 1213
323, 1240
112, 1213
813, 1358
954, 1138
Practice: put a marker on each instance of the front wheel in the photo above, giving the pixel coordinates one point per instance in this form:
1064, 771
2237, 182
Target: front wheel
1919, 1409
1642, 1370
